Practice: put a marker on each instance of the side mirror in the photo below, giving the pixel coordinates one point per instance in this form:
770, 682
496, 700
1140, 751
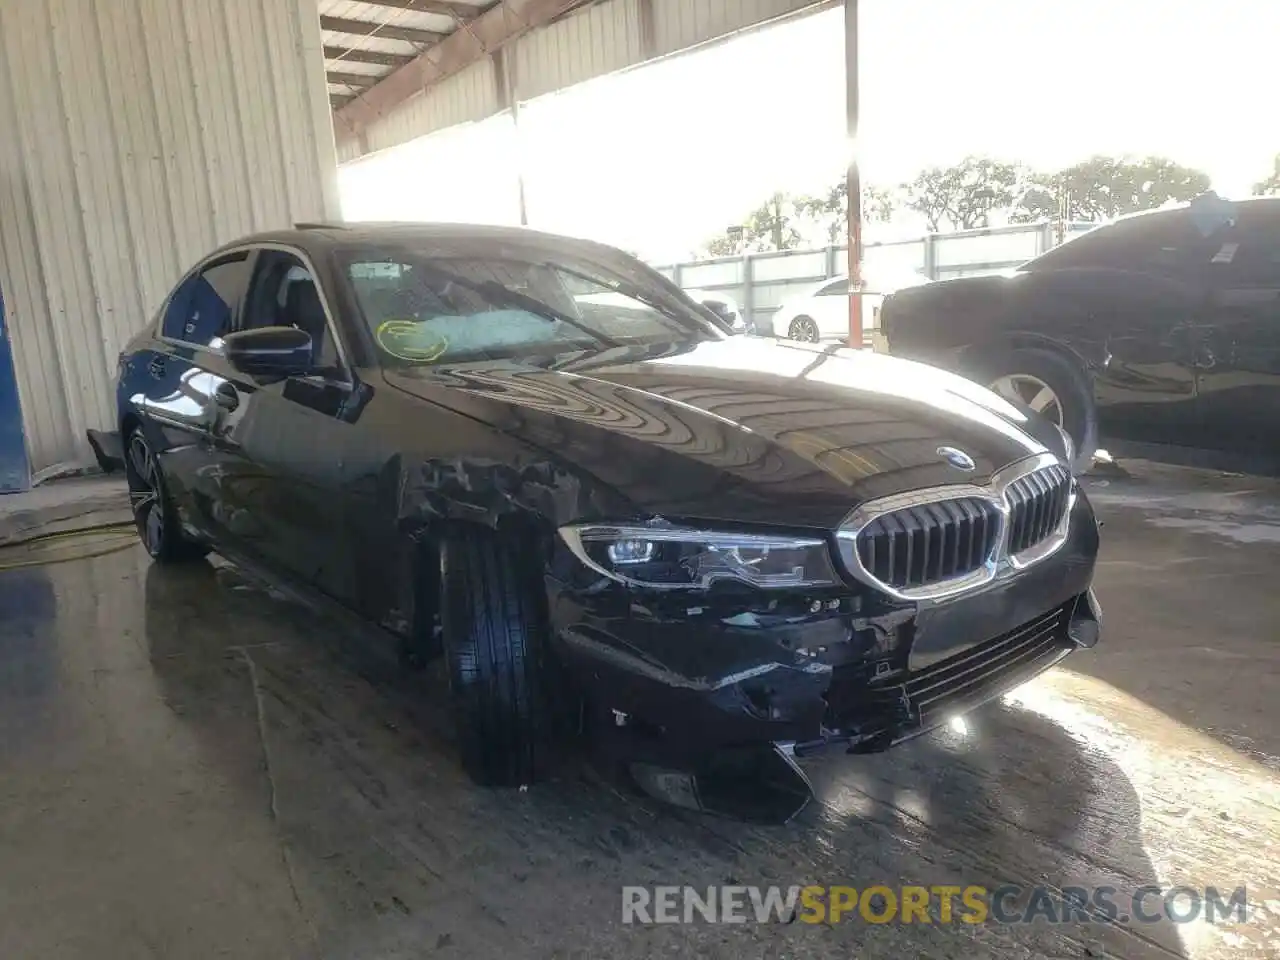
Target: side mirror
270, 352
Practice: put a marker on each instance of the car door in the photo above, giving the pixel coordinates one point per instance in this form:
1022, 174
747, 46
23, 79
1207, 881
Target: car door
183, 368
279, 445
1132, 292
1239, 369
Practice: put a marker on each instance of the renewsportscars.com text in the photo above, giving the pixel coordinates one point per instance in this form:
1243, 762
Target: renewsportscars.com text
943, 904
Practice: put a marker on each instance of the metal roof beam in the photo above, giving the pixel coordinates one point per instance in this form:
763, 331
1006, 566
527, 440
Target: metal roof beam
366, 56
472, 41
447, 8
351, 79
363, 28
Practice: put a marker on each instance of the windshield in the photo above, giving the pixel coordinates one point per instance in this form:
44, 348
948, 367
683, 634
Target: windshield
443, 309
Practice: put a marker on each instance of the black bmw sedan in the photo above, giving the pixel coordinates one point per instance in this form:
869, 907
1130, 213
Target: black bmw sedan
537, 458
1158, 331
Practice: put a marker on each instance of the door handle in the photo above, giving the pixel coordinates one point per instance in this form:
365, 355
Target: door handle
156, 367
226, 398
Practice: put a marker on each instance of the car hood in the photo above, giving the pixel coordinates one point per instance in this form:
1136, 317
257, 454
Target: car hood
741, 430
958, 293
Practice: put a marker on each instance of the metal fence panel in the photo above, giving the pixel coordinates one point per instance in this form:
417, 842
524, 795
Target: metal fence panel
1001, 247
789, 265
762, 282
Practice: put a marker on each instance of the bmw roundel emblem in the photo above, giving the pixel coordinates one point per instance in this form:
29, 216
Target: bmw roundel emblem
957, 458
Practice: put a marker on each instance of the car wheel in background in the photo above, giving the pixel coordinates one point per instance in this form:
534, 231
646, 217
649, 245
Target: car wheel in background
494, 638
154, 515
1052, 386
803, 329
1033, 392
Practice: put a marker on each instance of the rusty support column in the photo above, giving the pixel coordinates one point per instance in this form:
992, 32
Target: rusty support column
504, 73
853, 179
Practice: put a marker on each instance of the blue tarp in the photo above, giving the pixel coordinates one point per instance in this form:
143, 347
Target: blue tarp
15, 469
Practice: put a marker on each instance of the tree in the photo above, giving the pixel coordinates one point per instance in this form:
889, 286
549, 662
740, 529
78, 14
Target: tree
829, 213
773, 225
964, 195
1103, 188
1042, 196
1271, 185
878, 204
728, 245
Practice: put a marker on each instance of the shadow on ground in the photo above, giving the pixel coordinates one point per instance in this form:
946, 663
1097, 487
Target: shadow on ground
386, 850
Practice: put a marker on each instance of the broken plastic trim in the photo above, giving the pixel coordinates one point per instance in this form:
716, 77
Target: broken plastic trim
761, 784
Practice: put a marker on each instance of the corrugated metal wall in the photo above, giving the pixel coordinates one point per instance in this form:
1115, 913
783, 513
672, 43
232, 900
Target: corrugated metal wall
590, 42
468, 95
136, 135
680, 24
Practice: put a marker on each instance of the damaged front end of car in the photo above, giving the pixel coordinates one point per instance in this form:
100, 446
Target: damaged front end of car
710, 662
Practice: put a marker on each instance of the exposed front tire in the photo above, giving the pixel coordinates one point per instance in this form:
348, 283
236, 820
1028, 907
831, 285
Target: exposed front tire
494, 638
153, 513
1052, 386
803, 329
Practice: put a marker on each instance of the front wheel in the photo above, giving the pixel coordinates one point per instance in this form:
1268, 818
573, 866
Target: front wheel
803, 329
493, 628
153, 514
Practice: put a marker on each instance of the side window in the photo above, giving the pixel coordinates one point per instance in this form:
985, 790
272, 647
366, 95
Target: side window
1164, 242
200, 309
837, 288
1250, 256
284, 294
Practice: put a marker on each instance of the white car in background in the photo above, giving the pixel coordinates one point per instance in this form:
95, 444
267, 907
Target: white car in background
822, 313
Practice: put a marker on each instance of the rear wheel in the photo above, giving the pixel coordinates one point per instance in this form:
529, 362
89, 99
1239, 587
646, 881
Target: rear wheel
1052, 386
494, 637
153, 514
1032, 391
803, 329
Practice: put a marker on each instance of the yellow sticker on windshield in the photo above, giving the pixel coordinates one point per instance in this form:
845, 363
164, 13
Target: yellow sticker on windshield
410, 340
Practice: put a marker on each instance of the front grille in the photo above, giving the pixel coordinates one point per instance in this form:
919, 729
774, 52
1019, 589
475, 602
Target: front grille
1036, 505
926, 544
928, 697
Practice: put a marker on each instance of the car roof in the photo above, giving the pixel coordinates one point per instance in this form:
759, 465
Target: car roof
313, 236
1250, 207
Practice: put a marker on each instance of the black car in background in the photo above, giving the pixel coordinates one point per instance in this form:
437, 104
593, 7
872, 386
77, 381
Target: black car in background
1162, 327
724, 308
536, 457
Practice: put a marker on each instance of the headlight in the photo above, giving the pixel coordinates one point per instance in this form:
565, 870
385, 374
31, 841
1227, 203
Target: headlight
1069, 448
675, 557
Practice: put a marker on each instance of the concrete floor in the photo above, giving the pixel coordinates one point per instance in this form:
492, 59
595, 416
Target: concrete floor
193, 767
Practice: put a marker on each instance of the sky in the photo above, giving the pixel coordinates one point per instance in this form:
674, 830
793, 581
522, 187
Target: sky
661, 158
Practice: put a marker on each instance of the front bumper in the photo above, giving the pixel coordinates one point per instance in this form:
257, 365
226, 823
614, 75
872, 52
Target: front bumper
681, 677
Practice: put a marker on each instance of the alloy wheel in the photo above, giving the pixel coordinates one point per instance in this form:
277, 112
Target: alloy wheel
145, 495
1032, 392
804, 330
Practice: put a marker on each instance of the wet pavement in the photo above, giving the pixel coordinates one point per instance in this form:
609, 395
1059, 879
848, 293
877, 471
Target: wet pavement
193, 766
